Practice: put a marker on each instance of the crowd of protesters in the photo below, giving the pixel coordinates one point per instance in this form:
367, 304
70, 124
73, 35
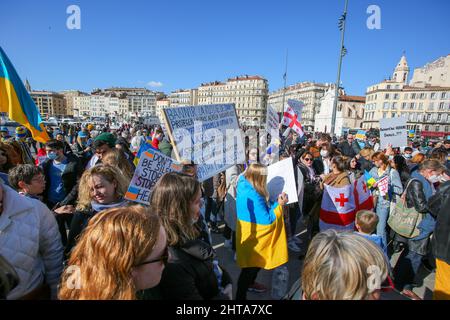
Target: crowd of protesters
67, 232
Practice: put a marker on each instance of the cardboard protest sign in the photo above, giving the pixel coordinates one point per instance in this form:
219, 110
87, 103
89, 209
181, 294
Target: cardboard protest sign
208, 135
280, 178
272, 120
393, 131
152, 166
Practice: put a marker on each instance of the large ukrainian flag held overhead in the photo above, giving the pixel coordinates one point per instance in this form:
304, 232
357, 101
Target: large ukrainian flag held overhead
16, 101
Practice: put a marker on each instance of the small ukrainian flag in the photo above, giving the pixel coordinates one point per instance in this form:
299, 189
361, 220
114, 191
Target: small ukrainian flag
17, 102
370, 181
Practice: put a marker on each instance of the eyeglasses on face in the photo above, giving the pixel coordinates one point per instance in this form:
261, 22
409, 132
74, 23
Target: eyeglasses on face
308, 159
164, 258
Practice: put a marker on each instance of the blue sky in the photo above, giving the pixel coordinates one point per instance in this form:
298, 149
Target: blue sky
184, 43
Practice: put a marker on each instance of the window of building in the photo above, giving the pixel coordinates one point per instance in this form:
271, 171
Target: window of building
428, 117
412, 106
431, 106
394, 105
420, 105
437, 128
413, 95
441, 106
396, 96
433, 95
405, 96
446, 129
386, 96
384, 114
439, 117
443, 95
386, 105
388, 86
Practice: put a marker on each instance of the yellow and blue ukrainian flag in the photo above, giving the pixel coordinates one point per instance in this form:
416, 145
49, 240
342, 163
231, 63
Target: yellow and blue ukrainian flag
260, 234
144, 147
17, 102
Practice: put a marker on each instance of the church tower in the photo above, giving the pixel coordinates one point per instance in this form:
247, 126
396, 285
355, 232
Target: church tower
27, 86
401, 72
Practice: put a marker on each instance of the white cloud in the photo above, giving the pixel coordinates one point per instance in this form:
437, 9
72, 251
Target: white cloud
155, 84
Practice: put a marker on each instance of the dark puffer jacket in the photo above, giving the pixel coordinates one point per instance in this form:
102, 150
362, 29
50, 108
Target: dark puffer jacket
189, 274
439, 205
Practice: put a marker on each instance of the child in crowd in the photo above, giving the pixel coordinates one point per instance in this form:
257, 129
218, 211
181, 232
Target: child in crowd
28, 180
366, 224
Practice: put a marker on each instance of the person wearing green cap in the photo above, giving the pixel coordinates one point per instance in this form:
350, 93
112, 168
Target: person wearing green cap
102, 144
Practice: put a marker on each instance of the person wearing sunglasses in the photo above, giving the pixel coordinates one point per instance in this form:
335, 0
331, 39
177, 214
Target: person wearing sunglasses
121, 252
311, 192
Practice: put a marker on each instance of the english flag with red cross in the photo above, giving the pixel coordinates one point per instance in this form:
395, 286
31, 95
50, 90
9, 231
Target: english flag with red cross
292, 116
338, 209
363, 196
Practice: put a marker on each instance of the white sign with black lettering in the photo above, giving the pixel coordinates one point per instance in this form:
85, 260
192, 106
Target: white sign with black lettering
208, 135
393, 131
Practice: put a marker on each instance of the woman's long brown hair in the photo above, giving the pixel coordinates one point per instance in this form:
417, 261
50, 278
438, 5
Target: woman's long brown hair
171, 200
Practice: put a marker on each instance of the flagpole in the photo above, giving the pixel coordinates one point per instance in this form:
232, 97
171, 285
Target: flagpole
284, 87
342, 52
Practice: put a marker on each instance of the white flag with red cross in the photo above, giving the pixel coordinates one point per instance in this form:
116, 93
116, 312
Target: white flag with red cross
338, 208
292, 116
363, 196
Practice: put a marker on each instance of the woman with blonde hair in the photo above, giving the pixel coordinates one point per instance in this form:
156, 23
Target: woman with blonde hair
191, 270
260, 235
343, 266
122, 251
100, 188
116, 158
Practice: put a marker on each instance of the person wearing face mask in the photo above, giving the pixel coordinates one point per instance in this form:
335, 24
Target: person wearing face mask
407, 154
418, 191
192, 271
61, 173
102, 187
381, 170
322, 165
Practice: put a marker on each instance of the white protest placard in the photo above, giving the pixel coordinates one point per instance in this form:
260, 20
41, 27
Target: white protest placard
393, 131
272, 120
208, 135
152, 166
280, 178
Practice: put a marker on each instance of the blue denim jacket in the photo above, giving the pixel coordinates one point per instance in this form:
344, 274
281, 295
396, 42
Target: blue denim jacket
426, 226
395, 185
